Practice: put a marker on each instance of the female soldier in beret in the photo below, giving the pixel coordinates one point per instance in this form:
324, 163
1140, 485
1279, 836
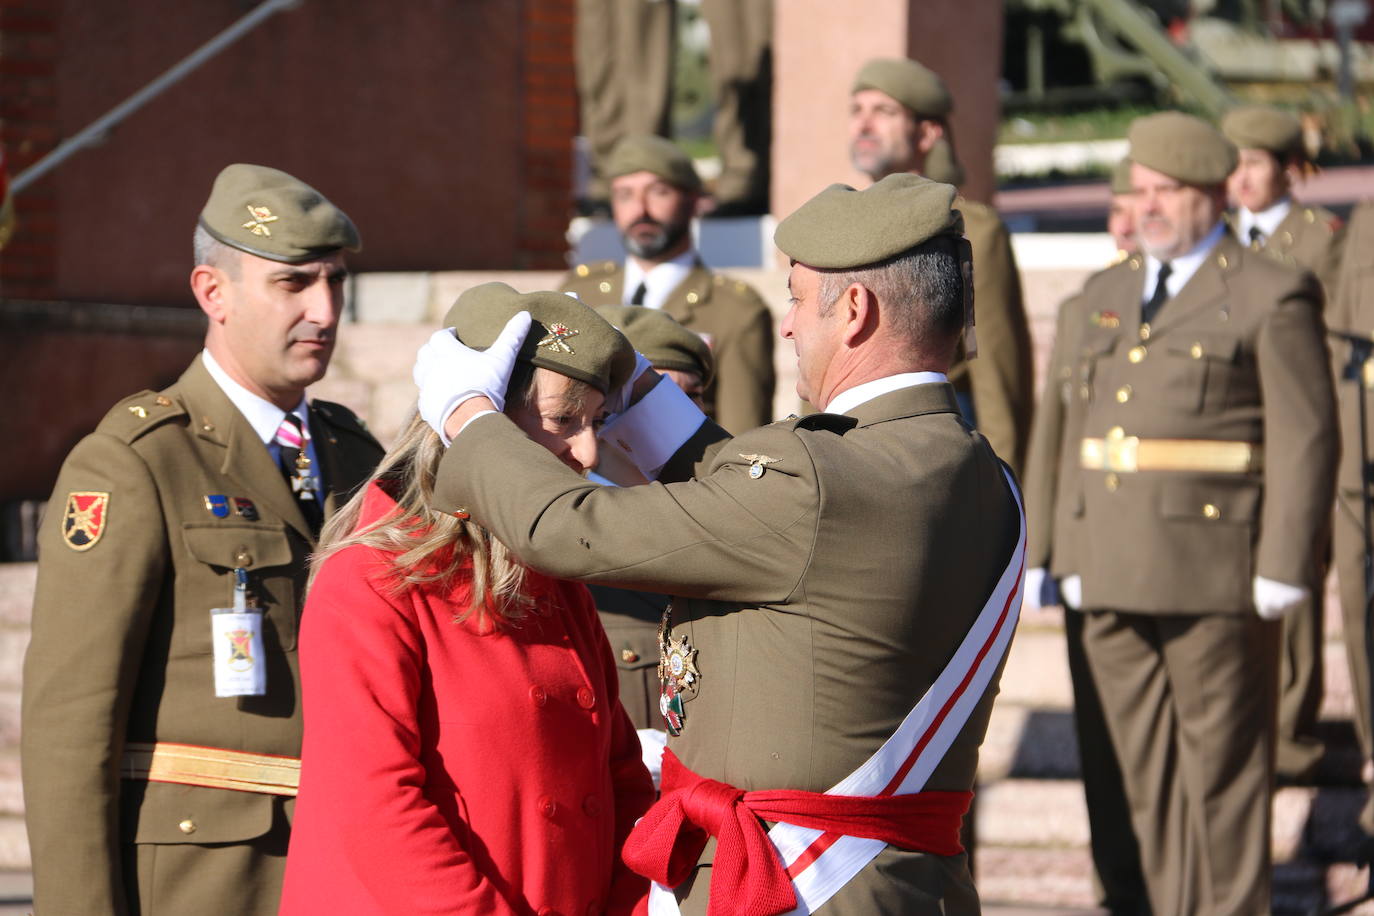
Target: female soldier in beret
465, 748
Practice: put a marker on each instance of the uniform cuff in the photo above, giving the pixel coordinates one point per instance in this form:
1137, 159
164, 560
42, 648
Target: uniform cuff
651, 432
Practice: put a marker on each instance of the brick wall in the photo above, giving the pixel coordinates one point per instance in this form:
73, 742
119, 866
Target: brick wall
28, 130
550, 121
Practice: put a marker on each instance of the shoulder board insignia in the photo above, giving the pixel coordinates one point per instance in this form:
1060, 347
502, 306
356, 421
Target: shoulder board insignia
84, 519
341, 417
136, 415
833, 422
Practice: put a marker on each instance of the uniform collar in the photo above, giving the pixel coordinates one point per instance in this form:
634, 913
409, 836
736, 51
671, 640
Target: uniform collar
1268, 220
659, 281
1183, 266
850, 398
261, 414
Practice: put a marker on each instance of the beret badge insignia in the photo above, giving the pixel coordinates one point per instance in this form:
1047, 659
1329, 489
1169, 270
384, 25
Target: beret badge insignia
84, 520
557, 338
261, 216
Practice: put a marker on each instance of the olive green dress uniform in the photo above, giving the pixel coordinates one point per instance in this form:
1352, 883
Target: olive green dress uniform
121, 652
1000, 379
735, 318
1167, 558
1054, 514
1352, 310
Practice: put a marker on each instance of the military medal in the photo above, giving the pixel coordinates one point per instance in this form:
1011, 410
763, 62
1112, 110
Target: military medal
677, 673
303, 482
245, 509
217, 504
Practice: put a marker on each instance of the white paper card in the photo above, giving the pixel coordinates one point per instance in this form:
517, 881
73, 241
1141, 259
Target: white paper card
240, 669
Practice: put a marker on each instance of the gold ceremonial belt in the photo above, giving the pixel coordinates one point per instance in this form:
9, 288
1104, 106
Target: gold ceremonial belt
213, 767
1127, 454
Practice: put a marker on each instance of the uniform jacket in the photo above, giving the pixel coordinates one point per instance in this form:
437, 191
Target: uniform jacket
1352, 311
1308, 238
1238, 355
822, 596
631, 620
456, 767
1053, 482
1001, 377
735, 321
121, 645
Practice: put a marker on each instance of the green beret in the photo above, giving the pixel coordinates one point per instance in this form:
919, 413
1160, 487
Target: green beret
268, 213
1121, 177
942, 165
566, 336
1261, 127
918, 88
843, 228
664, 343
652, 154
1183, 147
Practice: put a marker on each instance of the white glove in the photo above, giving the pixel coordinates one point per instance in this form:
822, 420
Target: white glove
1275, 599
618, 401
448, 372
1032, 588
1071, 591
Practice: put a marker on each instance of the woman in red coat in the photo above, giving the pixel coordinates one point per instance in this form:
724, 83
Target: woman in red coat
465, 750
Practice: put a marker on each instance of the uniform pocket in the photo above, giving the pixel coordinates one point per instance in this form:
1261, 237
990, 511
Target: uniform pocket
1197, 379
262, 548
164, 812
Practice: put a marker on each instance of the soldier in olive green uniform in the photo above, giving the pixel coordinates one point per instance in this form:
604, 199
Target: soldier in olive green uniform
654, 190
897, 117
1352, 311
1054, 506
155, 778
631, 617
1208, 455
828, 573
1267, 219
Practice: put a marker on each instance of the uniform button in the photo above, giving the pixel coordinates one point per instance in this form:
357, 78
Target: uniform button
1136, 354
187, 826
1084, 392
243, 558
1116, 432
582, 270
538, 695
692, 298
1211, 511
1123, 394
591, 806
548, 807
1112, 483
1195, 351
585, 698
1144, 332
1221, 261
604, 286
629, 655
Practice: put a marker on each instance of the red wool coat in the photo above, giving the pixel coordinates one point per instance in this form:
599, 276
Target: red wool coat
452, 768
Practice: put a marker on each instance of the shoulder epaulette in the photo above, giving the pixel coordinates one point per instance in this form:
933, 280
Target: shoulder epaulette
139, 414
830, 422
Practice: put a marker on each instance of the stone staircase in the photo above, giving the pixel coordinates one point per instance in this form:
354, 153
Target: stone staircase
1032, 823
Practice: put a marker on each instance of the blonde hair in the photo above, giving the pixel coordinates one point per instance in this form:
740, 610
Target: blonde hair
427, 547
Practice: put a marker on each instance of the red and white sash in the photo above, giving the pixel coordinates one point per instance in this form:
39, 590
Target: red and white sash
820, 864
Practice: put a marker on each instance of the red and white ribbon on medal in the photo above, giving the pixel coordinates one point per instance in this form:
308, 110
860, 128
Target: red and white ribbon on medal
819, 864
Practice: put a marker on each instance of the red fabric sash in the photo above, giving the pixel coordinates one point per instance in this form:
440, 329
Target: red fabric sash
747, 876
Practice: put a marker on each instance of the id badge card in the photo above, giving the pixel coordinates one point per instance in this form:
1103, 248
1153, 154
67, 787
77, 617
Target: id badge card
240, 669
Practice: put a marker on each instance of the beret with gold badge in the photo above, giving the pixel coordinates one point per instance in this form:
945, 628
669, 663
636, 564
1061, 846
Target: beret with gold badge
268, 213
566, 336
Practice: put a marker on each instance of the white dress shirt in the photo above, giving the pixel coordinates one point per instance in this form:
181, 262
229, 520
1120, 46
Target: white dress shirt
659, 281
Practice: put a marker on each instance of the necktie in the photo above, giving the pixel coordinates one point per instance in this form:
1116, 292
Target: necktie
295, 467
638, 297
1161, 293
1256, 238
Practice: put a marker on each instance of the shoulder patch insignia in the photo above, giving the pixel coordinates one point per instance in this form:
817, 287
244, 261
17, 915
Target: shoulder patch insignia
84, 519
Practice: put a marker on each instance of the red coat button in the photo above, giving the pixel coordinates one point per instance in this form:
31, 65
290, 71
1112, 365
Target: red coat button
591, 805
548, 807
586, 698
539, 695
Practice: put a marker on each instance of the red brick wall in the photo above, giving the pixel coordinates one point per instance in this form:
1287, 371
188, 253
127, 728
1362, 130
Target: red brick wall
550, 122
28, 130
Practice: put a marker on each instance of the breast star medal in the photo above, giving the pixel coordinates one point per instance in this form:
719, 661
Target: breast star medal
757, 463
677, 673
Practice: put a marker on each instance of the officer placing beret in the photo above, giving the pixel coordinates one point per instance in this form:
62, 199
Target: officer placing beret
868, 538
899, 122
655, 191
161, 706
1205, 471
